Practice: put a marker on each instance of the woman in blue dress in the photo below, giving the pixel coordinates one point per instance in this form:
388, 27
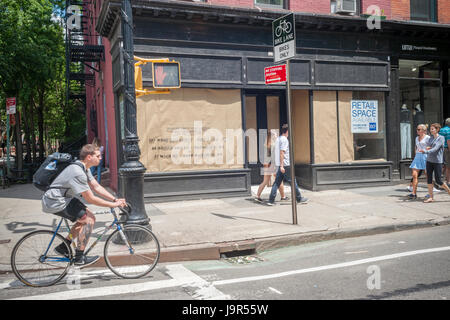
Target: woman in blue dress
420, 160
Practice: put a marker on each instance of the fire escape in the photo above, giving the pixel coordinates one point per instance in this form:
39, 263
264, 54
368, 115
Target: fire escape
82, 56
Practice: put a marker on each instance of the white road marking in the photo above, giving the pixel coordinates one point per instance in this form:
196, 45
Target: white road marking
356, 252
204, 290
85, 274
329, 267
275, 290
182, 277
105, 291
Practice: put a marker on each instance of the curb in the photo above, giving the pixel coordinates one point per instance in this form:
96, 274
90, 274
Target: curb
215, 251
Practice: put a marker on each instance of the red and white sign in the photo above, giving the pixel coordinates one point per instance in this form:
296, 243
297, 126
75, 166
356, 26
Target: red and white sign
275, 74
10, 105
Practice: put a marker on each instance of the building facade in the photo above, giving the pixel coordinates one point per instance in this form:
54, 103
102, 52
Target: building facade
207, 138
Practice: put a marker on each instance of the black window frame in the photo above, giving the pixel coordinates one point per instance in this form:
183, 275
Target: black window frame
432, 11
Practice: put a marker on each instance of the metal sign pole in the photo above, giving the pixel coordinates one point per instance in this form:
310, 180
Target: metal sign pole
291, 144
8, 127
283, 34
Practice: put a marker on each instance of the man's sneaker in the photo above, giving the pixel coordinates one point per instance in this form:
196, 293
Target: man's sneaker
270, 203
284, 198
412, 196
84, 261
409, 188
303, 200
62, 250
436, 190
259, 200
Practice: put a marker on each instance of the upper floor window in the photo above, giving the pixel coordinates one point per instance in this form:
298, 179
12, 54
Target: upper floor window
424, 10
270, 3
348, 7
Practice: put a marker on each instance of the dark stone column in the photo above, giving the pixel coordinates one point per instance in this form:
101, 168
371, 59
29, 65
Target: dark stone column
132, 171
393, 121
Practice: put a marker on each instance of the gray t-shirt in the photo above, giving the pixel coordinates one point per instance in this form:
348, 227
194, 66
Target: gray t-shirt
282, 143
70, 183
436, 153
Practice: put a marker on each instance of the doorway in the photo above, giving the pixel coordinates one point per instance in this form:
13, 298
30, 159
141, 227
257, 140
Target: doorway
264, 110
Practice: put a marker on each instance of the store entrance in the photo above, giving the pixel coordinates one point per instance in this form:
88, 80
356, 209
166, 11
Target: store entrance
265, 112
420, 95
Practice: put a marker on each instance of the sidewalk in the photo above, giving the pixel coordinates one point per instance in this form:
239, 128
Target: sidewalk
205, 229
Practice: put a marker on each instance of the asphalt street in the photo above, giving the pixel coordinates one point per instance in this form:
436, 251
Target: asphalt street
413, 264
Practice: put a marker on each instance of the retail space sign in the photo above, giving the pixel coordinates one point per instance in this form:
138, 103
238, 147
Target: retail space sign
364, 115
283, 33
275, 74
11, 105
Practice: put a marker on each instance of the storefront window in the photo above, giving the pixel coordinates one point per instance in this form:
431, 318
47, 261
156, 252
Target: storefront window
420, 97
419, 69
349, 126
371, 144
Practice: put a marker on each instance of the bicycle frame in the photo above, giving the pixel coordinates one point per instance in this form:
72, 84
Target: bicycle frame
64, 259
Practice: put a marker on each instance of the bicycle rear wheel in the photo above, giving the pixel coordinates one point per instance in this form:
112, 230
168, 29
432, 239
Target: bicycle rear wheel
132, 252
35, 262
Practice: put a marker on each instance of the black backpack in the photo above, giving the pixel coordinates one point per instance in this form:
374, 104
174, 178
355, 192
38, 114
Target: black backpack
53, 165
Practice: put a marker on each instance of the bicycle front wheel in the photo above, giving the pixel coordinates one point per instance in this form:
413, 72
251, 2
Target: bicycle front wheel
35, 262
131, 252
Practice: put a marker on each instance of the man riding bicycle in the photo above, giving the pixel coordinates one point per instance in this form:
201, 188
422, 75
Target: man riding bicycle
63, 199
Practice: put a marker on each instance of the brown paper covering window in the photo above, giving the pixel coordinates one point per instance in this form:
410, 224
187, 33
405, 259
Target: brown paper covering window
158, 116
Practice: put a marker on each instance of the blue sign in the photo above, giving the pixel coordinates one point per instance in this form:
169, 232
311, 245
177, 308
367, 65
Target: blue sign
364, 115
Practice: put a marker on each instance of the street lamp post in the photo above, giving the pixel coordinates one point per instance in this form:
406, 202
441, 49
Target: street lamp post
132, 170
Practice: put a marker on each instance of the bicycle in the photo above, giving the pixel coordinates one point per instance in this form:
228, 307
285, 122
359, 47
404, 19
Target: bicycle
131, 252
284, 26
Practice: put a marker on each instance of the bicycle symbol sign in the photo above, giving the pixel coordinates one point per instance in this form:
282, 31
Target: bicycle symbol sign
283, 32
284, 26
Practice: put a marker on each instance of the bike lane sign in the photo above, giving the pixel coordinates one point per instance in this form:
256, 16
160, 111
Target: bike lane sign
283, 32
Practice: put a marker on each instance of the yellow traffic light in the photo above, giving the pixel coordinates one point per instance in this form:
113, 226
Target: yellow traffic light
165, 74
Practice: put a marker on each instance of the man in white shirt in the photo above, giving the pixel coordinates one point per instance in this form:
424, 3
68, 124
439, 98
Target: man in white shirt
283, 167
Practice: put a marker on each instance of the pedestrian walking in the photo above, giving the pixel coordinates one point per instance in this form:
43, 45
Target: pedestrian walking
269, 169
435, 159
445, 132
283, 167
420, 159
98, 169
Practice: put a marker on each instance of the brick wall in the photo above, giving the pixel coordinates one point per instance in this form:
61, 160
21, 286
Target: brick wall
444, 11
232, 3
393, 9
384, 5
400, 9
313, 6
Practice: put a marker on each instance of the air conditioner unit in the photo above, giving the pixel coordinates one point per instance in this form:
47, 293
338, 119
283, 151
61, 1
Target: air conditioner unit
346, 6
